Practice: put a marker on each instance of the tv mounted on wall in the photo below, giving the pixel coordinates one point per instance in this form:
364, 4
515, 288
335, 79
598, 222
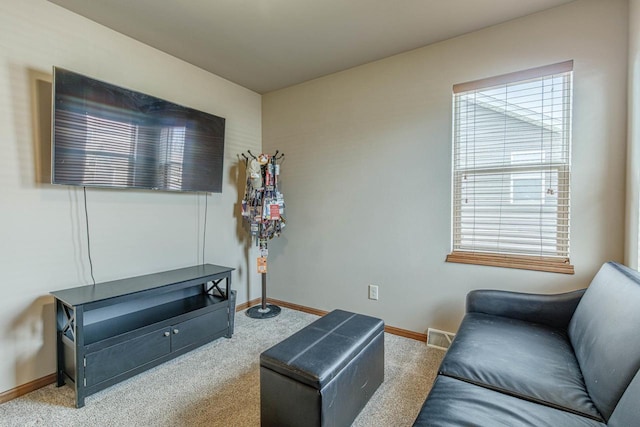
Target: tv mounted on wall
108, 136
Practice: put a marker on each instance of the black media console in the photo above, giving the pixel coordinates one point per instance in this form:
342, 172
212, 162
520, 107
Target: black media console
111, 331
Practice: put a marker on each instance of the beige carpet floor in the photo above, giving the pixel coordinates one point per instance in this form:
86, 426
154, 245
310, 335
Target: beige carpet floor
218, 385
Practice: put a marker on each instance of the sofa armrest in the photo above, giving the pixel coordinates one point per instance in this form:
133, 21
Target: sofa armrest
552, 310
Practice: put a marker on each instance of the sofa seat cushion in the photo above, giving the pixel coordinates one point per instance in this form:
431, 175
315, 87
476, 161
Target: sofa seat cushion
453, 402
523, 359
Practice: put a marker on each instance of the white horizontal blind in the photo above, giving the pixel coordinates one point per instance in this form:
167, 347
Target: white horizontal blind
511, 163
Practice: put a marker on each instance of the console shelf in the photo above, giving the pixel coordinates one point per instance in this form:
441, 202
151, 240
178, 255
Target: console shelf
111, 331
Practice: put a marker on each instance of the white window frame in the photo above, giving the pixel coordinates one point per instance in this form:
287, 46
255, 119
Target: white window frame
536, 154
527, 176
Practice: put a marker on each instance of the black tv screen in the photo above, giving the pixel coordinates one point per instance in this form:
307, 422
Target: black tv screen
107, 136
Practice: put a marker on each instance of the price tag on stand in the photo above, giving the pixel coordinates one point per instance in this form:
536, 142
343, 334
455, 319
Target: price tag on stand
262, 265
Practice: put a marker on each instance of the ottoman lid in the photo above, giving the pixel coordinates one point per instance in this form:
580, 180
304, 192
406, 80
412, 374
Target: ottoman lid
317, 353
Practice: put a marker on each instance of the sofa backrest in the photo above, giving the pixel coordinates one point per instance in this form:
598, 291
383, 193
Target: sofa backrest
627, 412
604, 334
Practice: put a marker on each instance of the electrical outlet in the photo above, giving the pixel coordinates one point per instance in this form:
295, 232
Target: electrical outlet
373, 292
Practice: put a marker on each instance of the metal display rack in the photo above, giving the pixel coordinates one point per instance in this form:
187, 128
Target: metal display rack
263, 209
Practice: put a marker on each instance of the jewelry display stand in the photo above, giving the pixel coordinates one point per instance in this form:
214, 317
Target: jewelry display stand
263, 210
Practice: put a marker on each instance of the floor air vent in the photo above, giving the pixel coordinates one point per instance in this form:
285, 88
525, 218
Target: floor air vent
439, 339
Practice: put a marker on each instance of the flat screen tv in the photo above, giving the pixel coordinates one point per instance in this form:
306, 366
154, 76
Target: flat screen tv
107, 136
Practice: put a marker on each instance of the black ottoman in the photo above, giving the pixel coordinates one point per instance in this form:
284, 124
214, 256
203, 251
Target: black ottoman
324, 374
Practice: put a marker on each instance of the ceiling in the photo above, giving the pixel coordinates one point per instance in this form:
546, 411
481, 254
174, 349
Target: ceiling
265, 45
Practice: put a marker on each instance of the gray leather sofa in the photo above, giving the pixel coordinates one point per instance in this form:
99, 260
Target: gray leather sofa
544, 360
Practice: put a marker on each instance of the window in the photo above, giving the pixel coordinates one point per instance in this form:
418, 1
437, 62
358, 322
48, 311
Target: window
171, 155
109, 150
511, 170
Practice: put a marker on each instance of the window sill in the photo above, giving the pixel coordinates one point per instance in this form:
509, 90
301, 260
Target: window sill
522, 262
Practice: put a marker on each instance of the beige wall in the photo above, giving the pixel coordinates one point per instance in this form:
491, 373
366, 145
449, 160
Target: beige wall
633, 148
367, 171
42, 227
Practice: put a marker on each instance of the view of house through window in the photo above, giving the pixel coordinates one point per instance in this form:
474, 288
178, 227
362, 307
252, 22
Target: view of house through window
511, 170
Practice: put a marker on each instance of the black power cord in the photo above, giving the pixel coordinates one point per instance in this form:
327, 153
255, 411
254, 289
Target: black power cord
86, 216
204, 233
